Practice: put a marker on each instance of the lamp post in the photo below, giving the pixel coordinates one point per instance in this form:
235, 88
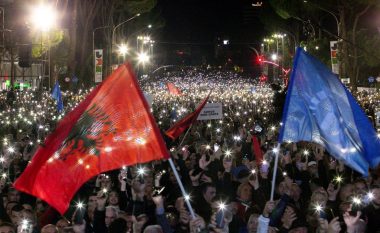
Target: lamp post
114, 29
43, 18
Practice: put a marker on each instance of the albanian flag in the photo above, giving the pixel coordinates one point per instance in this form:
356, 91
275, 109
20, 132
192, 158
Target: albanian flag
111, 128
173, 89
176, 130
257, 149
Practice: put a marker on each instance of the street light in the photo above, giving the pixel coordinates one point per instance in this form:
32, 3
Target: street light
274, 57
143, 58
44, 18
113, 33
115, 27
123, 50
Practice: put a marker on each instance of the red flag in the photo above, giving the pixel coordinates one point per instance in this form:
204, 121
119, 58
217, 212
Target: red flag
111, 128
173, 89
176, 130
257, 150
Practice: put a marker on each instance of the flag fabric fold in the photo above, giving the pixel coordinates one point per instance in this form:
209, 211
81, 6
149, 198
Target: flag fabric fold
57, 95
111, 128
177, 129
318, 108
257, 149
173, 89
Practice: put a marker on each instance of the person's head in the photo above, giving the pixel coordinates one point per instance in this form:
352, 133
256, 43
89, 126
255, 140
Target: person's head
252, 223
29, 215
92, 201
376, 194
346, 191
13, 195
153, 229
208, 192
244, 192
111, 215
312, 167
319, 197
360, 187
9, 206
113, 198
295, 191
50, 228
16, 214
7, 227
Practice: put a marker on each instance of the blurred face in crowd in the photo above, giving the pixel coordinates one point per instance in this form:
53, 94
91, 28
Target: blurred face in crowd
7, 229
16, 217
10, 206
28, 215
245, 192
113, 198
209, 194
376, 198
281, 188
346, 191
39, 206
13, 195
360, 188
92, 201
320, 197
110, 216
253, 222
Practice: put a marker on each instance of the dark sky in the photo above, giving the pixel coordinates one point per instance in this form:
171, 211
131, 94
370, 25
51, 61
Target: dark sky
200, 21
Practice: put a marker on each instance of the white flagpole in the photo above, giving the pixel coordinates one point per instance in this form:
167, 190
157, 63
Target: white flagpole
277, 152
184, 194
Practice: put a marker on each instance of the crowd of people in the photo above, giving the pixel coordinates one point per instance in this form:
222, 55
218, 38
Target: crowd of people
227, 182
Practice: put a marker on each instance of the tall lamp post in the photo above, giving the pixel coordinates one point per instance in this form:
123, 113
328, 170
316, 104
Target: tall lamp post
44, 18
114, 29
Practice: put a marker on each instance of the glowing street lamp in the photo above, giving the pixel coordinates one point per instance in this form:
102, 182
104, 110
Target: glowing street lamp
274, 57
142, 58
44, 17
123, 49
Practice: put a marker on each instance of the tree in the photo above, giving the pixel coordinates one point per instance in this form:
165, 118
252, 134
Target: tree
348, 12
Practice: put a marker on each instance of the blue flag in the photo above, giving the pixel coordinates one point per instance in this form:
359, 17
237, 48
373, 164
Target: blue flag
318, 108
56, 94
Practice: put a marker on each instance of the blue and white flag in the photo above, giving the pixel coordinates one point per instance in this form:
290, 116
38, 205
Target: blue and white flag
56, 94
318, 108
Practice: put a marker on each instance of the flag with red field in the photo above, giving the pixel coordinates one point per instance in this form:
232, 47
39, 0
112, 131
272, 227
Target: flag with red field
173, 89
176, 130
111, 128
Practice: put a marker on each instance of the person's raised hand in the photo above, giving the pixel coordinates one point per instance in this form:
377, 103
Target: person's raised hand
288, 217
334, 226
351, 221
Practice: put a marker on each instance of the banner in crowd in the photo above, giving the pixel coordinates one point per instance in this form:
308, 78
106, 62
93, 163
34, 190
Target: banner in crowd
98, 65
211, 111
318, 108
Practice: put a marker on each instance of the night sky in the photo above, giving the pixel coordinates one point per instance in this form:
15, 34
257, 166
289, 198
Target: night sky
200, 21
194, 26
